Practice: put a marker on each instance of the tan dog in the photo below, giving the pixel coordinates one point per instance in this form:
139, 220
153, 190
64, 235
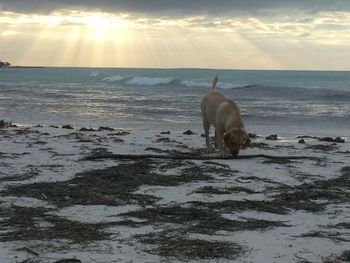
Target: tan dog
225, 116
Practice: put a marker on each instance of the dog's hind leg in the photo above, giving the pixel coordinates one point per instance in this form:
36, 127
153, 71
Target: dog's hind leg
206, 127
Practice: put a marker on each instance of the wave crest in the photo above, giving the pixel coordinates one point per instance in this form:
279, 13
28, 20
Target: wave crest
114, 78
149, 81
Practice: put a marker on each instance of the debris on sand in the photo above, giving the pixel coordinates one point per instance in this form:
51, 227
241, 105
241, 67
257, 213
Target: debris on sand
87, 129
102, 128
322, 147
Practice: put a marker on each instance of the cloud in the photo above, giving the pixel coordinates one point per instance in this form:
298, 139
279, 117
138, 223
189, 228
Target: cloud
179, 7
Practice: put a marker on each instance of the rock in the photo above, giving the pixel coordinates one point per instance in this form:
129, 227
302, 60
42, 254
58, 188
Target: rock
340, 140
188, 132
202, 135
5, 124
2, 124
4, 64
302, 141
54, 126
253, 135
272, 137
165, 132
330, 139
67, 126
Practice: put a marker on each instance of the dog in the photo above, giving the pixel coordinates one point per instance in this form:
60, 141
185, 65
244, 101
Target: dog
224, 114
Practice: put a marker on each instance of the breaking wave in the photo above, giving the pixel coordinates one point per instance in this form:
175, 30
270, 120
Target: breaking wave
160, 81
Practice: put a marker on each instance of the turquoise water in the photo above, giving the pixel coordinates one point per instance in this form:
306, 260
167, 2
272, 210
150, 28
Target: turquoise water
271, 101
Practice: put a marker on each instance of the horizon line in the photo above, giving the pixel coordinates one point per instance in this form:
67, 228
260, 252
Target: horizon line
181, 68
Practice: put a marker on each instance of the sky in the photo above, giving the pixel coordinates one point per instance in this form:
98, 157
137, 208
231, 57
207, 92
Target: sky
227, 34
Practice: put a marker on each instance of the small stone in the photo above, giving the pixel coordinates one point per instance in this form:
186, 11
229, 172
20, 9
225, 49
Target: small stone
188, 132
253, 135
272, 137
165, 132
302, 141
340, 140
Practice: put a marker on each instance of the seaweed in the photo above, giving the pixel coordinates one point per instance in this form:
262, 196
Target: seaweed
177, 245
223, 190
23, 223
109, 186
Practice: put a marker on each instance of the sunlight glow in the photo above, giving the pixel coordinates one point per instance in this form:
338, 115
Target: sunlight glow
101, 39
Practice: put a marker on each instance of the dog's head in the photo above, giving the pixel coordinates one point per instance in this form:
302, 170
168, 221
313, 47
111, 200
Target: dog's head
236, 139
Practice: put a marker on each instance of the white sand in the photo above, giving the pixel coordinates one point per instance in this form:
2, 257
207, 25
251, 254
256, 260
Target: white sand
58, 158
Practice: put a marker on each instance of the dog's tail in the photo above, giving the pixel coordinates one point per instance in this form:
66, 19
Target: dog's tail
213, 87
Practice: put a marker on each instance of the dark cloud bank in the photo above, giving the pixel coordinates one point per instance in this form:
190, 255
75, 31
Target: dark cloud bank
178, 7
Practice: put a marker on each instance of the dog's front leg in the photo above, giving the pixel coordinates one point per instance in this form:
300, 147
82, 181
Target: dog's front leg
206, 127
219, 143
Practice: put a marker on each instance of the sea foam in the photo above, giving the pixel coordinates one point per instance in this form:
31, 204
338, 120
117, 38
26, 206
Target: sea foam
149, 81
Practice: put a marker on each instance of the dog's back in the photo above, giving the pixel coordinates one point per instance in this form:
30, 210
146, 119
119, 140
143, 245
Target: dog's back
211, 102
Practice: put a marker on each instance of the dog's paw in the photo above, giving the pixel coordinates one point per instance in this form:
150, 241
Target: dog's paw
224, 154
210, 150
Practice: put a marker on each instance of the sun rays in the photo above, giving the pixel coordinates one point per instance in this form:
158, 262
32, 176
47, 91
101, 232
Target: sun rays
101, 39
65, 38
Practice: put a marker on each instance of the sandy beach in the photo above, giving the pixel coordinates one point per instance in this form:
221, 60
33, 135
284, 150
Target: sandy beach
57, 202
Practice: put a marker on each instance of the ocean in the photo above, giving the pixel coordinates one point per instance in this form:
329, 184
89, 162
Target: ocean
287, 102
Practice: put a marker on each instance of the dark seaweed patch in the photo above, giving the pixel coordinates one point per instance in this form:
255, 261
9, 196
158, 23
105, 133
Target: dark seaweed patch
23, 223
110, 186
223, 190
180, 246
